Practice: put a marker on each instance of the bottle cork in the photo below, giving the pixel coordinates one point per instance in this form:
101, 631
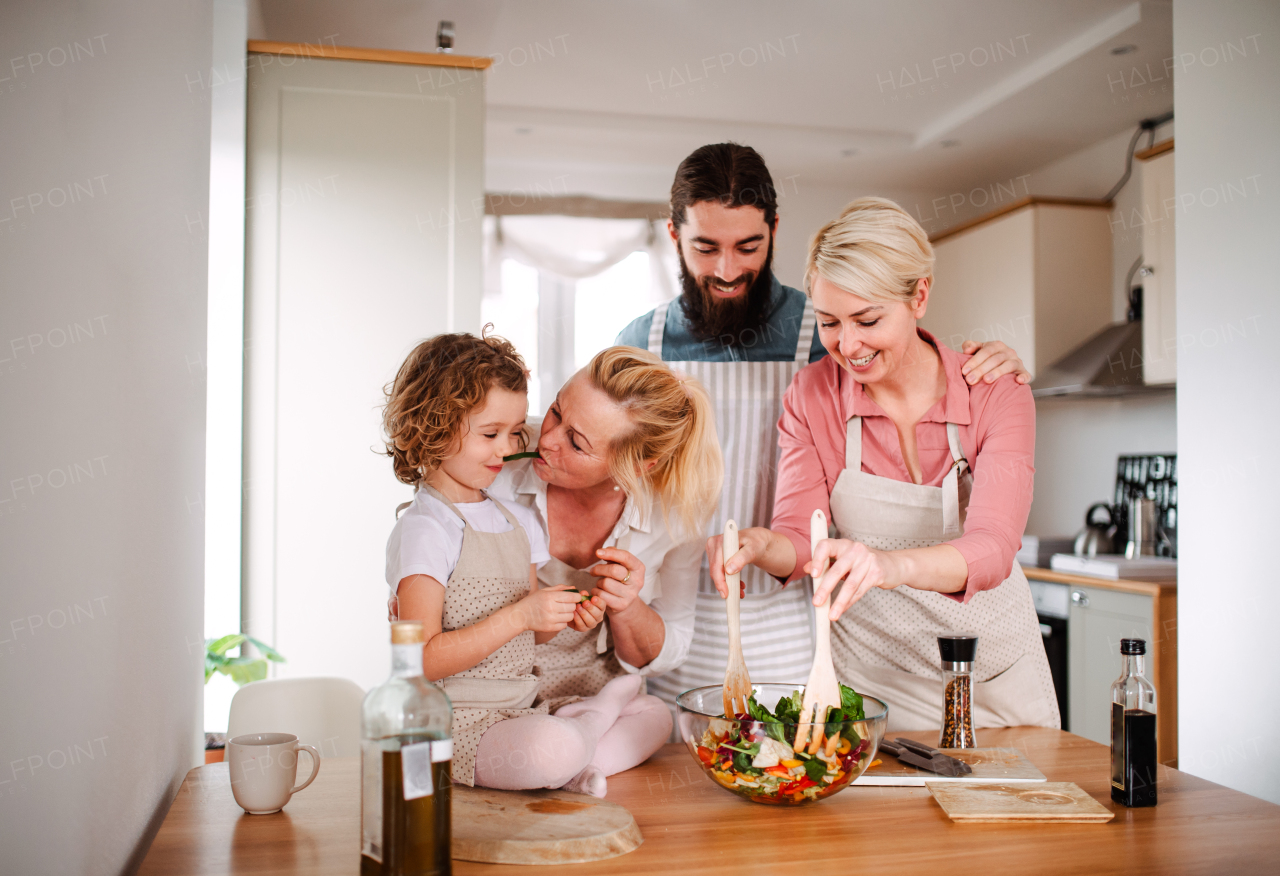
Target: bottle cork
407, 633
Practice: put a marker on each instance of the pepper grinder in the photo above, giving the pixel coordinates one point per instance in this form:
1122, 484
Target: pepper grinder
957, 691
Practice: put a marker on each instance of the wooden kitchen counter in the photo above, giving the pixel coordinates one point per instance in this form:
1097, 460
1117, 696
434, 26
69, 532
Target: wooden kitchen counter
692, 825
1165, 587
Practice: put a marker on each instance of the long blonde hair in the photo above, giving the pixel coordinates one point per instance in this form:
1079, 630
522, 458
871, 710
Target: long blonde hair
671, 452
874, 249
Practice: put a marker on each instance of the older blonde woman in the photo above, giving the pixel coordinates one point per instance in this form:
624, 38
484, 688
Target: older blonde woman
627, 475
927, 478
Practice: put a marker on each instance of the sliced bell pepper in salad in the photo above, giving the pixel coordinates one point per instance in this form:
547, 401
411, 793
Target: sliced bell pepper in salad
752, 753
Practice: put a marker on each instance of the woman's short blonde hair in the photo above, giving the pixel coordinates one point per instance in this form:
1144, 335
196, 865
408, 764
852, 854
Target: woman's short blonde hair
875, 250
671, 453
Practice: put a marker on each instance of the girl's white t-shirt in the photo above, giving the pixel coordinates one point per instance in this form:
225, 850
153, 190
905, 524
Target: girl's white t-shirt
427, 539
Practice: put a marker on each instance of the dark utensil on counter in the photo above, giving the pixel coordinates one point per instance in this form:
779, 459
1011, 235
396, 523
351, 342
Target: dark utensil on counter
1096, 538
917, 754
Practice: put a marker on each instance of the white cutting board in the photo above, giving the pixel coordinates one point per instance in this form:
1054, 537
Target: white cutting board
989, 804
989, 765
1116, 566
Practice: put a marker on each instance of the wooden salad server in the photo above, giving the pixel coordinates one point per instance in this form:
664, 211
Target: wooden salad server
737, 683
822, 691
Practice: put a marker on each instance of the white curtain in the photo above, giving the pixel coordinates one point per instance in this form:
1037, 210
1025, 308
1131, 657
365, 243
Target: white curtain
577, 248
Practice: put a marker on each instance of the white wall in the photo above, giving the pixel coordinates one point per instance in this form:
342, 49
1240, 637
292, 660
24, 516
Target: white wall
104, 128
1077, 443
1228, 111
804, 206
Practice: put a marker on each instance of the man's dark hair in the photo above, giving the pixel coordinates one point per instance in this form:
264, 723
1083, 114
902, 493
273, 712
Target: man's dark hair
730, 174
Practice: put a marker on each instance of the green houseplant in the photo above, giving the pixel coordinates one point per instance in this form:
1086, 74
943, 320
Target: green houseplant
241, 670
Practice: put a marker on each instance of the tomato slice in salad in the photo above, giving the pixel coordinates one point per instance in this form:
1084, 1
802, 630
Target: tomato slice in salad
706, 755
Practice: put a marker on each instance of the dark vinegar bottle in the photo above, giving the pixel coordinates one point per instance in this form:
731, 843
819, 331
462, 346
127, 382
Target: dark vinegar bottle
1133, 730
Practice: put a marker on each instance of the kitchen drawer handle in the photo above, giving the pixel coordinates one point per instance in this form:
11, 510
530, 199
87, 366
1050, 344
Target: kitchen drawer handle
1080, 598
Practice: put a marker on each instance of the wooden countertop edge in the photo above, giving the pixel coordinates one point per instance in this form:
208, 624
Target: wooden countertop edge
1165, 587
1158, 149
1012, 206
353, 53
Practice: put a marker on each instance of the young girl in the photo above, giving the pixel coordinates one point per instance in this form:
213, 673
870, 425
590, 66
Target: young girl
466, 565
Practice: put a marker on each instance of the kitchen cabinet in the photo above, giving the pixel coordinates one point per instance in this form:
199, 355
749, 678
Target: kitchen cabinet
1100, 614
1098, 620
364, 207
1159, 274
1036, 275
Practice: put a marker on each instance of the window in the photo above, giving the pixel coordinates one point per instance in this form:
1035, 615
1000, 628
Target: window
562, 288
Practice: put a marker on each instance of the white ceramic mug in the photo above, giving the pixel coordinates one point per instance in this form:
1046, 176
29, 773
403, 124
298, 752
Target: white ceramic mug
263, 768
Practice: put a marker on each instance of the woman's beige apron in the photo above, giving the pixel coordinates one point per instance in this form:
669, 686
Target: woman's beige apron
886, 643
776, 621
492, 573
576, 664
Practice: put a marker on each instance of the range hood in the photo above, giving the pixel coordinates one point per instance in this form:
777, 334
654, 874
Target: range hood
1108, 364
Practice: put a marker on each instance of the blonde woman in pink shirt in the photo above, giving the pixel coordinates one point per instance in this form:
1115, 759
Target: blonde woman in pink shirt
926, 478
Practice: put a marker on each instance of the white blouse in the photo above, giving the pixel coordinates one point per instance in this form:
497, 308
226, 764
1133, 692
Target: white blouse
670, 567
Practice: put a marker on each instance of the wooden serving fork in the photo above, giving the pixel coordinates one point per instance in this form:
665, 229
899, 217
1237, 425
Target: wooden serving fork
737, 683
822, 691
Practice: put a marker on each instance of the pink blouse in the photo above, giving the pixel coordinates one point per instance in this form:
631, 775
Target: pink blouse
997, 433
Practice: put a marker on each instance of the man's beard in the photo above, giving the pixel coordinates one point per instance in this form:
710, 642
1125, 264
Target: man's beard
726, 319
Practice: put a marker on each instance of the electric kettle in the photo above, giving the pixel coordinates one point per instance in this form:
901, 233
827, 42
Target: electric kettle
1096, 538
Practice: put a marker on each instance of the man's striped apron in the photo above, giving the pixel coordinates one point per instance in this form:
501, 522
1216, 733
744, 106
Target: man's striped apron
777, 622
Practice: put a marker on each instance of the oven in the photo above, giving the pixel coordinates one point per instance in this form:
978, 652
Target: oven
1052, 604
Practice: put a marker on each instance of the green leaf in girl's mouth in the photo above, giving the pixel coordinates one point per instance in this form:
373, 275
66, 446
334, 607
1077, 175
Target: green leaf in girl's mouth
528, 454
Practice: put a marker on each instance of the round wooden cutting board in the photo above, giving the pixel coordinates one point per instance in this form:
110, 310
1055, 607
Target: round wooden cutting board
539, 827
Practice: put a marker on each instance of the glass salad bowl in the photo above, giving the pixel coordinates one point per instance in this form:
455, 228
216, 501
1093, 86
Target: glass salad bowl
755, 758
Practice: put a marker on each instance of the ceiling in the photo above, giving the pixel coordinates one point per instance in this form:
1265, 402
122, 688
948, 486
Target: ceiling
606, 98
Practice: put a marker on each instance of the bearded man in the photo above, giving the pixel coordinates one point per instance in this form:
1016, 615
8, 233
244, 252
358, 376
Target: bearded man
744, 335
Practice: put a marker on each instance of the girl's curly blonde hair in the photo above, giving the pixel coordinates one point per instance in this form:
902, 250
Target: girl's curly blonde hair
443, 380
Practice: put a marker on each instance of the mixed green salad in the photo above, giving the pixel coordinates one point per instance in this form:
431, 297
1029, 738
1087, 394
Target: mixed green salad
755, 754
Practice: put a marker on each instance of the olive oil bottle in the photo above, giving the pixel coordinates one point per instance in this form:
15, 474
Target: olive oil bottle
405, 755
1133, 730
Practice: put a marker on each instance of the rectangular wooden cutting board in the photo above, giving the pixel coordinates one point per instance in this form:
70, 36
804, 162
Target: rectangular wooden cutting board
999, 802
989, 765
